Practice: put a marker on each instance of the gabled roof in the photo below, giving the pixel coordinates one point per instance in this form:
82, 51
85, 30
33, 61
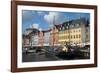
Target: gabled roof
73, 24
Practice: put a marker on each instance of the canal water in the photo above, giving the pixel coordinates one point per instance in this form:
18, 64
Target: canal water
35, 57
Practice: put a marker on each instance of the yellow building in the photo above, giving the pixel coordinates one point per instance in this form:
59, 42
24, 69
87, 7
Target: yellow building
74, 32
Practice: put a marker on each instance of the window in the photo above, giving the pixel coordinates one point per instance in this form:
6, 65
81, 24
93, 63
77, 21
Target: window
63, 27
60, 28
68, 24
86, 30
72, 26
67, 27
79, 36
71, 37
76, 36
77, 25
86, 36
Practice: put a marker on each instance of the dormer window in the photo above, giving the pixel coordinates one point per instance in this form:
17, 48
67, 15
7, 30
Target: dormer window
67, 27
60, 28
68, 24
77, 25
72, 26
63, 27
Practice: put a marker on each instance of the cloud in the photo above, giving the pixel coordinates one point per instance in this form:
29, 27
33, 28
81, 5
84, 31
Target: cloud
53, 18
40, 29
40, 12
35, 26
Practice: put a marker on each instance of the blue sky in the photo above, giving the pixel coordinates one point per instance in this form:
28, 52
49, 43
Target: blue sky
45, 19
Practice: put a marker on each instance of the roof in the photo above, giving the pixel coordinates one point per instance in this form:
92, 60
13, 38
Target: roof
73, 24
46, 30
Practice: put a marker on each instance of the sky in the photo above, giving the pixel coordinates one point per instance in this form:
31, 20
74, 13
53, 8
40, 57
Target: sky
44, 20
